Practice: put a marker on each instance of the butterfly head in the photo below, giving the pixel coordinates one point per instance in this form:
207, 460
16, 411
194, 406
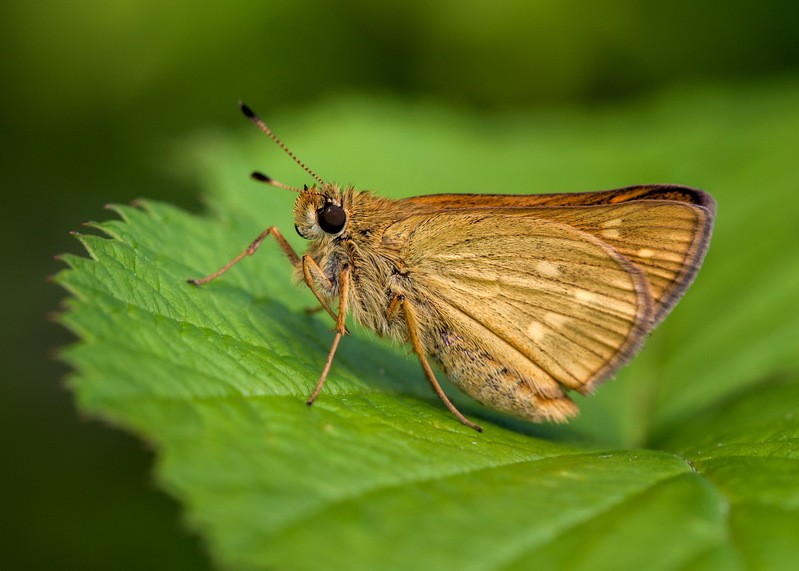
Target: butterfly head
320, 212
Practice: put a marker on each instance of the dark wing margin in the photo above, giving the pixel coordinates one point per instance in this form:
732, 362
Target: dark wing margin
676, 193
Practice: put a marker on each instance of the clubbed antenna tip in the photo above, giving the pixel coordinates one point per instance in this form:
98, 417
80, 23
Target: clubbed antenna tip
248, 113
258, 122
261, 177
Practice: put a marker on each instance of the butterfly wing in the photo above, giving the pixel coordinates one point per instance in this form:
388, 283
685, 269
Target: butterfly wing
553, 303
663, 230
666, 240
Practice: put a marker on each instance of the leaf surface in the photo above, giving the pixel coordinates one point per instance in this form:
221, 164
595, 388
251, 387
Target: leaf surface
687, 460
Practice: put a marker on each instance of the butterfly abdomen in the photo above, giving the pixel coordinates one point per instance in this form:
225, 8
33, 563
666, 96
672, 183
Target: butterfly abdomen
486, 379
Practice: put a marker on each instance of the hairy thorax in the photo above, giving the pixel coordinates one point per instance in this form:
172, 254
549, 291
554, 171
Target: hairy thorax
377, 273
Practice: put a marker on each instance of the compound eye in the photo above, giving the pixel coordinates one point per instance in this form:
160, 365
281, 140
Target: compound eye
332, 218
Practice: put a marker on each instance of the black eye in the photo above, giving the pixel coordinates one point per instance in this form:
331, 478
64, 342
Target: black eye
332, 218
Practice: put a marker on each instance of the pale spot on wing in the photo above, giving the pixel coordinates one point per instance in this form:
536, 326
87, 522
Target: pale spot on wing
536, 331
586, 296
611, 223
547, 269
645, 253
611, 233
617, 306
675, 257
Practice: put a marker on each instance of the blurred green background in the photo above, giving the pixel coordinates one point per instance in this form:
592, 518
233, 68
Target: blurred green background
97, 96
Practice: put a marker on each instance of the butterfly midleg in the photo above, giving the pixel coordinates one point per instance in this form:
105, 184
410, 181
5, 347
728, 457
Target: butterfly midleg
400, 301
250, 250
343, 292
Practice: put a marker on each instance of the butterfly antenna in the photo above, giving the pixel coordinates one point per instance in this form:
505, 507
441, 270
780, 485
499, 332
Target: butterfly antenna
258, 122
261, 177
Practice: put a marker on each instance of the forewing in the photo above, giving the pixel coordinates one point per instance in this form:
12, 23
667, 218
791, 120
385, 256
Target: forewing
664, 230
552, 302
666, 240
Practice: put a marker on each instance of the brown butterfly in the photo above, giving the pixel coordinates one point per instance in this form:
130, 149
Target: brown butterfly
519, 298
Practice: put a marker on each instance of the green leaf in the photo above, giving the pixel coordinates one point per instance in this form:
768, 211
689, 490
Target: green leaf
687, 460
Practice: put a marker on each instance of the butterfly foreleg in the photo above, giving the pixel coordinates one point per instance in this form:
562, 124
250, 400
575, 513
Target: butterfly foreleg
343, 292
313, 275
400, 302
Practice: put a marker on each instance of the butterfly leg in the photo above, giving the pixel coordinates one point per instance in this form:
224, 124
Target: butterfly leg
344, 287
308, 277
249, 251
308, 266
399, 301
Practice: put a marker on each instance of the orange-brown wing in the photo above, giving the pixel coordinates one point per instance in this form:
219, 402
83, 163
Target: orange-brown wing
663, 230
553, 303
666, 240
